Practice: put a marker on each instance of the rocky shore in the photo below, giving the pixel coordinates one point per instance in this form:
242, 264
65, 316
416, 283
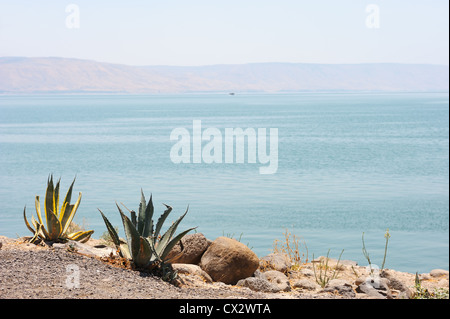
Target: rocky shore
219, 269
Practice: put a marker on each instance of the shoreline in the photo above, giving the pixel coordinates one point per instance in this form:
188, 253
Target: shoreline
31, 271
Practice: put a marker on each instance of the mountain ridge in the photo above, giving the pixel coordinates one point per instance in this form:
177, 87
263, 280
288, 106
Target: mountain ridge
68, 75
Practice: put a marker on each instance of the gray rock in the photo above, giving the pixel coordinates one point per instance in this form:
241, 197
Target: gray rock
424, 277
438, 273
306, 272
276, 261
360, 280
376, 287
341, 287
370, 291
85, 249
258, 274
258, 284
191, 269
396, 284
306, 284
277, 278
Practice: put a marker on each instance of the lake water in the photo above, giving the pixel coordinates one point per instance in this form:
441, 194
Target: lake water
347, 164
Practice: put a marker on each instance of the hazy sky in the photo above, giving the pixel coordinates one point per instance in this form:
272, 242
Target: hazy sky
202, 32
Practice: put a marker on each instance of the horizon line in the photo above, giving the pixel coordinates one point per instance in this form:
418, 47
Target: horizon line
218, 64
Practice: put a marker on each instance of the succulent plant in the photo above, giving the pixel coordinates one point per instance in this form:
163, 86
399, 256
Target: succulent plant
144, 245
57, 219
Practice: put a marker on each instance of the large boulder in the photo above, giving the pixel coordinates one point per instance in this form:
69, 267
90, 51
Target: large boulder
228, 261
189, 249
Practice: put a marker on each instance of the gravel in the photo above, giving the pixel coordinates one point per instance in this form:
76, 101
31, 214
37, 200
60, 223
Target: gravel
28, 271
47, 274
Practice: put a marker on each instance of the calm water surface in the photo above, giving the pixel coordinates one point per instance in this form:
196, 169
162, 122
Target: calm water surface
348, 164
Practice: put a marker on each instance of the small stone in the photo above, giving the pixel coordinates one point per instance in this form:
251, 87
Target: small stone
360, 280
438, 273
338, 282
424, 277
276, 261
306, 284
340, 286
192, 270
307, 272
258, 284
376, 287
370, 291
278, 278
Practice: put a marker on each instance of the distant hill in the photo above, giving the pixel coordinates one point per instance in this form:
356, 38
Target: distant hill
63, 75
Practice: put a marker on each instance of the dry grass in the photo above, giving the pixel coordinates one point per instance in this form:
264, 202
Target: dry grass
293, 249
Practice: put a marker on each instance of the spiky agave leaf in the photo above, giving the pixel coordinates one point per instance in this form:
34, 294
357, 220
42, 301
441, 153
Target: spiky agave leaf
148, 219
56, 198
54, 228
81, 236
112, 232
169, 233
166, 243
26, 221
57, 221
124, 251
122, 247
161, 220
145, 253
67, 210
133, 218
38, 212
155, 257
142, 245
69, 213
49, 200
37, 231
141, 214
132, 235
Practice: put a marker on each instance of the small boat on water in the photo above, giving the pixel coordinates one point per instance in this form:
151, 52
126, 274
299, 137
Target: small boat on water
231, 93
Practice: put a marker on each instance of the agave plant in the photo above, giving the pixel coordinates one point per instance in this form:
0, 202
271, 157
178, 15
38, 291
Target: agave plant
57, 219
144, 245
